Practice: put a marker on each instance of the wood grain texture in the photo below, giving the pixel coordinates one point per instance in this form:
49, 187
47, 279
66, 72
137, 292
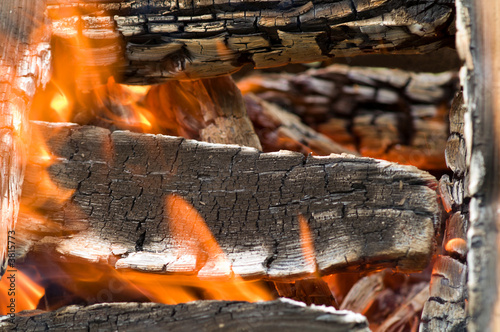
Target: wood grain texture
478, 24
442, 312
24, 62
152, 41
446, 308
281, 315
130, 190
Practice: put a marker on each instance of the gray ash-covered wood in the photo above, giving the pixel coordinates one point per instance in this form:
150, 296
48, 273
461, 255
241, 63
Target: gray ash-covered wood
446, 308
24, 61
449, 274
279, 315
258, 207
149, 42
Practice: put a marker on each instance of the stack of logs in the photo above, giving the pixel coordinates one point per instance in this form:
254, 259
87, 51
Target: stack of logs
359, 213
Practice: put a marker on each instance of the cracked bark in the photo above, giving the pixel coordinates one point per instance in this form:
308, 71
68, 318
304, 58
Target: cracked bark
130, 188
478, 32
149, 42
24, 59
445, 310
200, 315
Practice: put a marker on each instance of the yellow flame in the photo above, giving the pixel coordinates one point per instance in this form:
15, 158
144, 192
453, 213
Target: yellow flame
59, 104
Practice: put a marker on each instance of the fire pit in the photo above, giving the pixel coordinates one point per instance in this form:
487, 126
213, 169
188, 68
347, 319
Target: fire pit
252, 198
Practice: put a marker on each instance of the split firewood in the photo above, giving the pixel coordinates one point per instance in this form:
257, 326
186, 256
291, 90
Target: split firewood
152, 42
442, 312
210, 109
281, 130
391, 302
446, 308
381, 113
24, 61
282, 315
149, 200
477, 31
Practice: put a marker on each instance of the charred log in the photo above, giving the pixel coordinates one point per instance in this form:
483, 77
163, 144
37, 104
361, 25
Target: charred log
24, 60
444, 312
201, 315
381, 113
282, 130
478, 31
135, 192
210, 109
152, 42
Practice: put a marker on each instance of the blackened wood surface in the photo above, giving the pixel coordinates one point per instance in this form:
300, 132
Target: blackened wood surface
259, 207
24, 59
279, 315
384, 113
441, 311
162, 40
445, 310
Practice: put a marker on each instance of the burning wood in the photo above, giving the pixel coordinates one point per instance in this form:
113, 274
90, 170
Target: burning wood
201, 315
169, 205
130, 189
152, 43
23, 66
381, 113
445, 309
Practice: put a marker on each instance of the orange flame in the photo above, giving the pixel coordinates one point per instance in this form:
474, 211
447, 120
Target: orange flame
46, 188
307, 244
96, 282
18, 292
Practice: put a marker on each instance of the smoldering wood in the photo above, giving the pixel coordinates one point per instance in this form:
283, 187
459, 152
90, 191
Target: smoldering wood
382, 113
363, 293
445, 310
407, 310
24, 62
281, 130
440, 312
391, 302
455, 236
360, 211
152, 42
200, 315
210, 109
309, 291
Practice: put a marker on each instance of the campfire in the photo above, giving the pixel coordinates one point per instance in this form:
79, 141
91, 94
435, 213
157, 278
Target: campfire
157, 191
